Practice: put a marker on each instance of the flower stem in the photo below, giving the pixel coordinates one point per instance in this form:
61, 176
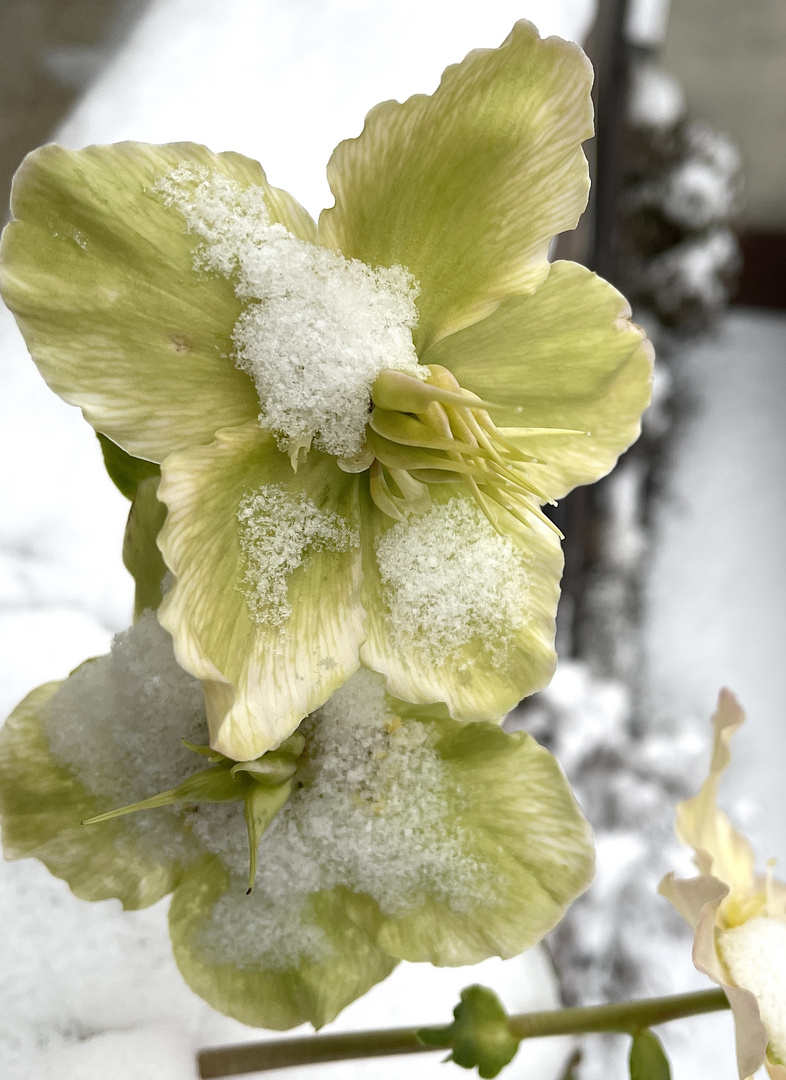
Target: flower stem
625, 1016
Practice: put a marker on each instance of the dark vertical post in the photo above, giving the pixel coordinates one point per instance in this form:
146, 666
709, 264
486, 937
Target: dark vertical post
612, 68
595, 244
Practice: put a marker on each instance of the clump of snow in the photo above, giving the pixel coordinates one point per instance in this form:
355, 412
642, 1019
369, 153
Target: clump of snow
317, 328
277, 530
755, 954
376, 813
449, 577
695, 273
118, 724
696, 195
656, 98
715, 149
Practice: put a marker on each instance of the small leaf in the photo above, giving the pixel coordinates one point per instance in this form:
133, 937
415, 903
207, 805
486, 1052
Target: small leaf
125, 472
648, 1059
141, 556
479, 1035
216, 784
262, 805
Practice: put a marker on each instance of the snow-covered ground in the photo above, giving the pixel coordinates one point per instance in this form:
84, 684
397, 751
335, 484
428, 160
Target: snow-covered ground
86, 991
715, 611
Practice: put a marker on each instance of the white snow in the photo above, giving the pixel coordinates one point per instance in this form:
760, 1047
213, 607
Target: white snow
449, 578
755, 954
716, 604
278, 530
376, 814
657, 99
316, 328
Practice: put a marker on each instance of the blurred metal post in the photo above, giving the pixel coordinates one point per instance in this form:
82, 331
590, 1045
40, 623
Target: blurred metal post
594, 244
610, 53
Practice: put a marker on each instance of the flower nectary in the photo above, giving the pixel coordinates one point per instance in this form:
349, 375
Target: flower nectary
431, 431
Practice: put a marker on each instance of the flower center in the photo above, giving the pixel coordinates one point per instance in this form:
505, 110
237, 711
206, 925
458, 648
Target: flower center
755, 954
432, 431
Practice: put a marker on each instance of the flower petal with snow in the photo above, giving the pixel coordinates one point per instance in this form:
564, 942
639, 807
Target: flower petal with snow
738, 915
401, 837
342, 377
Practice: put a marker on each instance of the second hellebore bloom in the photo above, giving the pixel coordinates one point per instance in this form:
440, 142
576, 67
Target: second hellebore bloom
739, 915
381, 835
359, 421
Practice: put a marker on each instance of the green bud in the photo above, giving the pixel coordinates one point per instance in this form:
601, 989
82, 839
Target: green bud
480, 1035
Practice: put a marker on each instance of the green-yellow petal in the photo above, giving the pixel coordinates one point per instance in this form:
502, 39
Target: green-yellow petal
467, 187
565, 357
266, 603
42, 805
519, 818
456, 613
275, 993
100, 275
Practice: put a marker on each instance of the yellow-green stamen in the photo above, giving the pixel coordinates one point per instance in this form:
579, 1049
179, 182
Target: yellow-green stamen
432, 431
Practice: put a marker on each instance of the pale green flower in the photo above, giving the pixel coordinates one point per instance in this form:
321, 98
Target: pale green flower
320, 397
402, 838
738, 915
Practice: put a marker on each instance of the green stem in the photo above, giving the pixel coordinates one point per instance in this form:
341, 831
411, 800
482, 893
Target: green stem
625, 1016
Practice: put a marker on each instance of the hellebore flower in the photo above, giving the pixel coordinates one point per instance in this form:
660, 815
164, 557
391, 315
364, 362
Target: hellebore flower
320, 397
402, 838
738, 915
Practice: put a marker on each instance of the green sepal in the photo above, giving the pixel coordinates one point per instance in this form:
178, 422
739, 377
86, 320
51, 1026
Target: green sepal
125, 471
205, 751
648, 1059
141, 556
216, 784
42, 804
407, 710
313, 991
270, 770
517, 815
480, 1035
262, 805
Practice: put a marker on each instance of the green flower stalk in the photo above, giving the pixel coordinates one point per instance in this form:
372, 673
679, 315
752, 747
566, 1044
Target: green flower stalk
357, 421
380, 836
737, 914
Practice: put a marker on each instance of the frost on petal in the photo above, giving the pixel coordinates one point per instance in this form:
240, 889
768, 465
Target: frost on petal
755, 955
466, 841
277, 530
448, 578
316, 328
108, 735
374, 813
118, 725
455, 612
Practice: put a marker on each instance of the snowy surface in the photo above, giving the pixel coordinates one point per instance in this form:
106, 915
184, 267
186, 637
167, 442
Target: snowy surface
87, 991
716, 594
285, 83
